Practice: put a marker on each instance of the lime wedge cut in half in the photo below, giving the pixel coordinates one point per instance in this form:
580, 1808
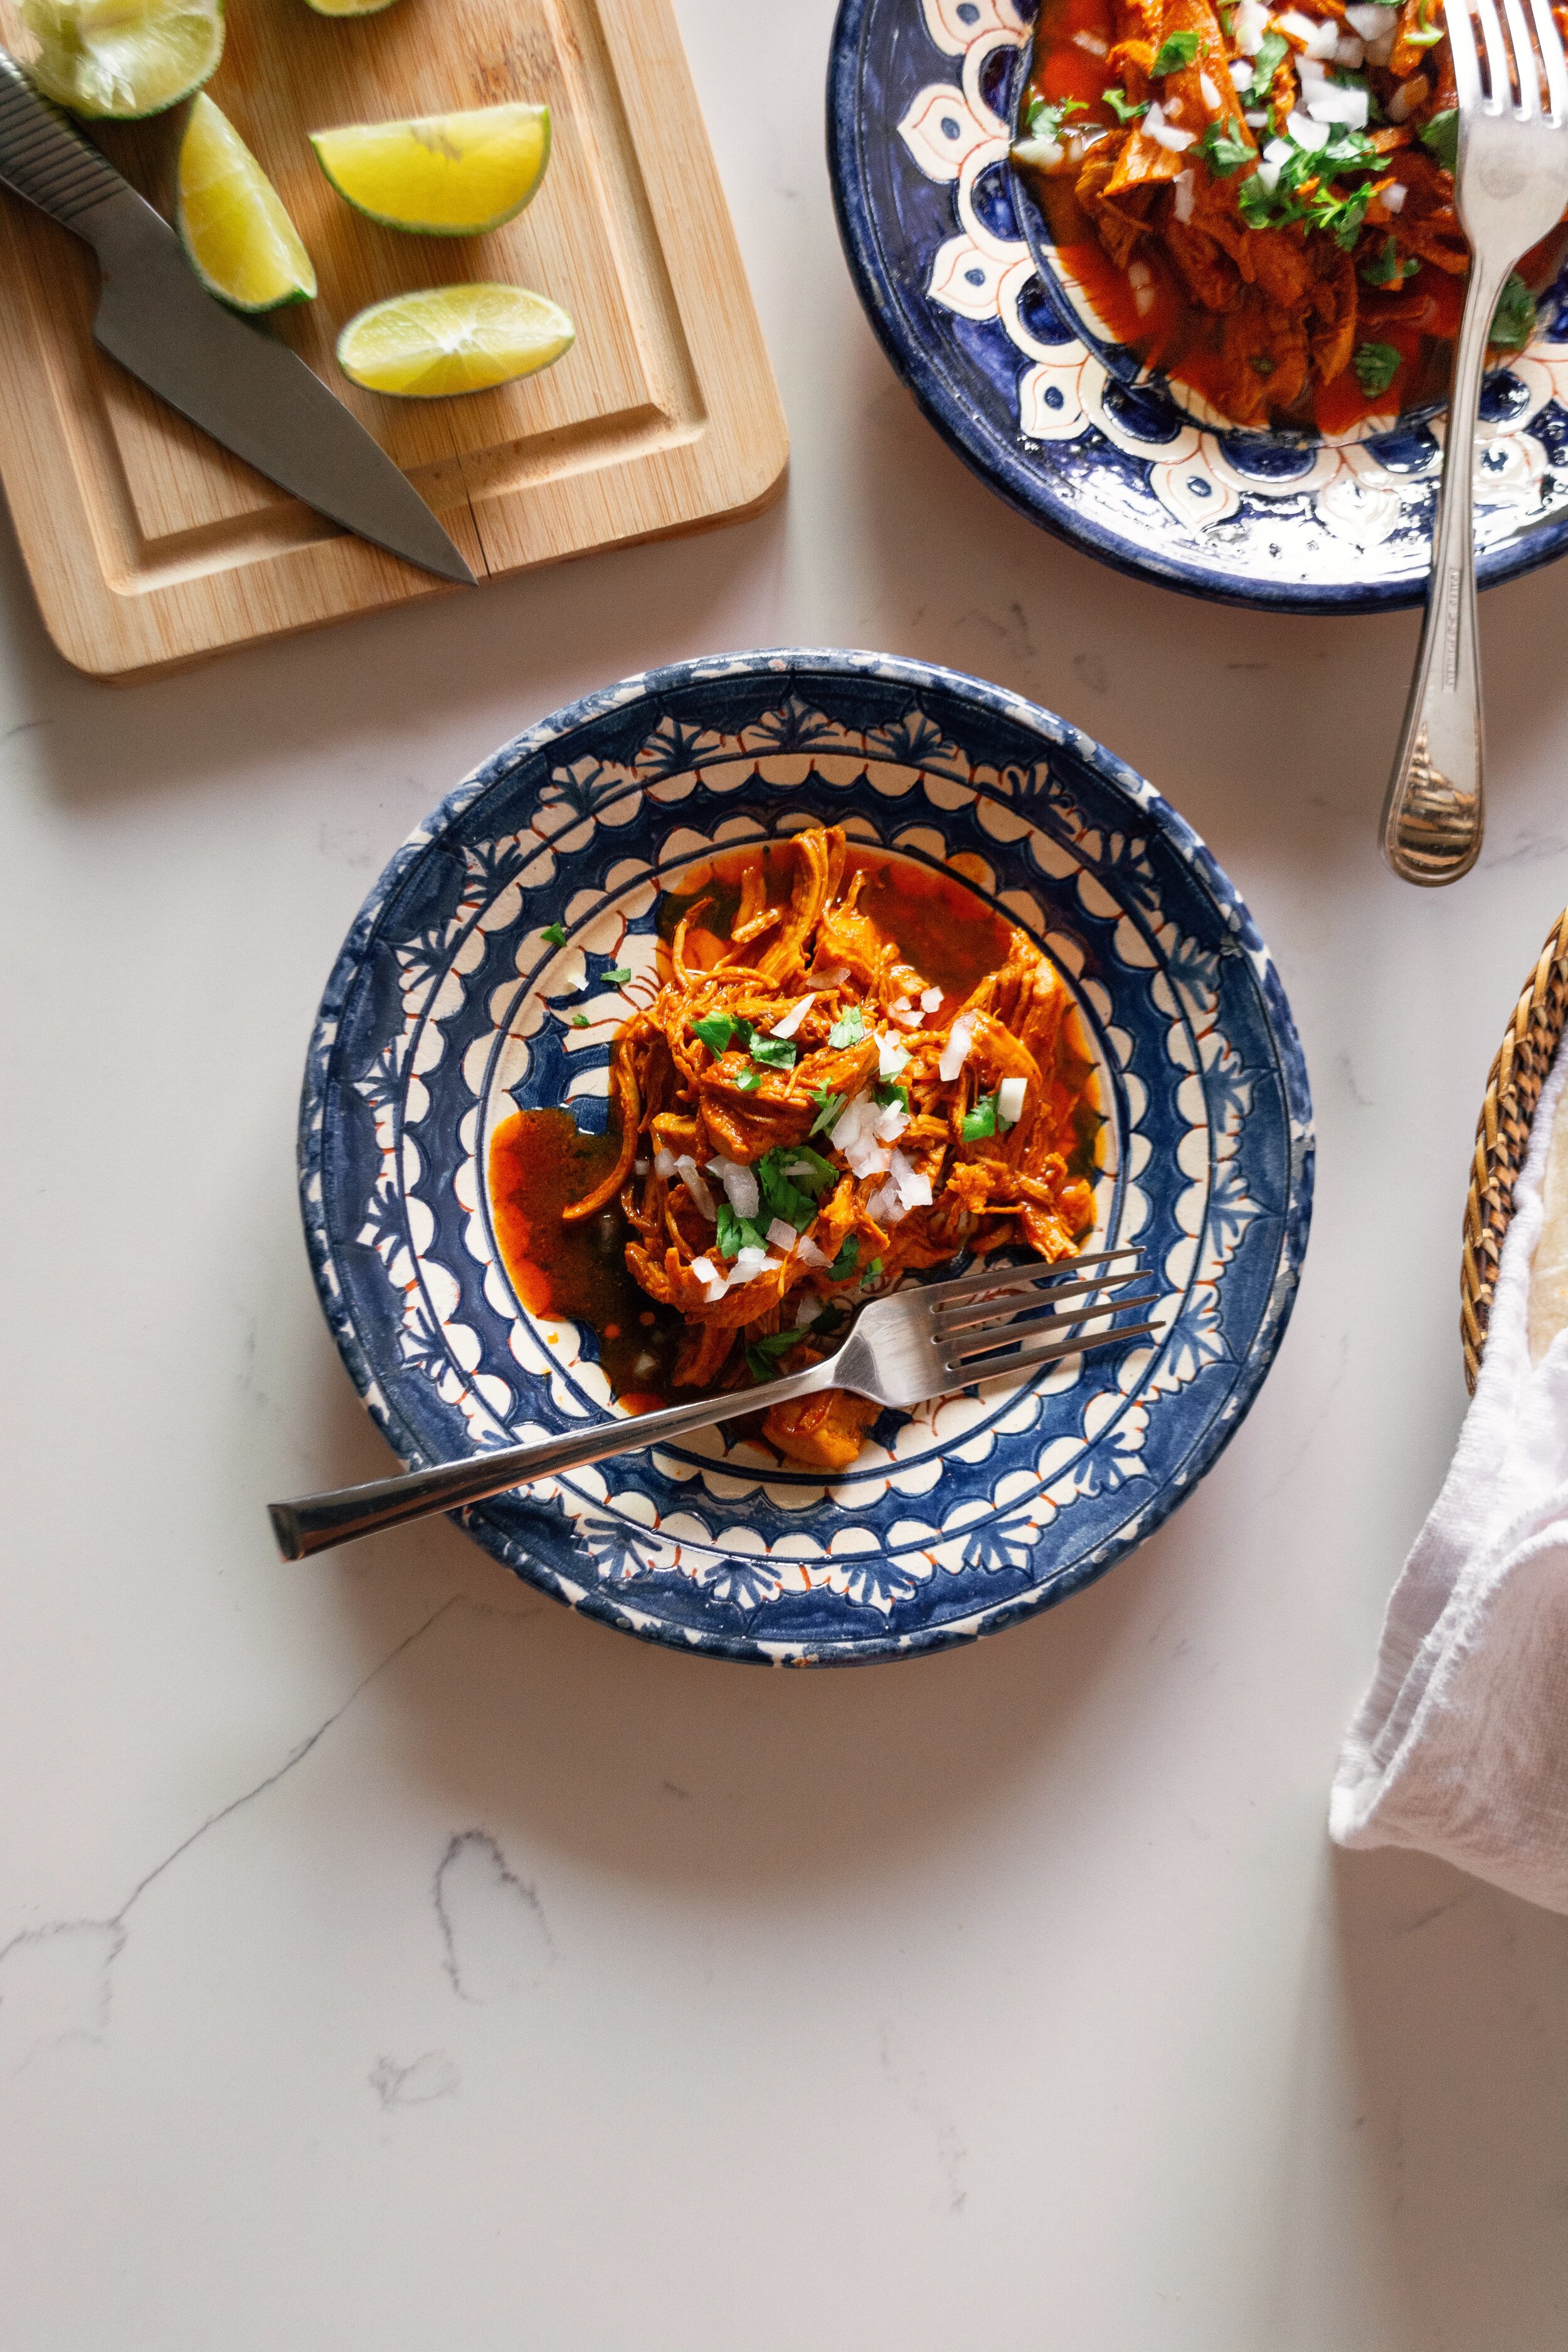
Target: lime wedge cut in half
443, 175
119, 59
453, 338
241, 243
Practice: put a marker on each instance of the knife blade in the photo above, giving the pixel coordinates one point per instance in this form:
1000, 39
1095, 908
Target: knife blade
233, 379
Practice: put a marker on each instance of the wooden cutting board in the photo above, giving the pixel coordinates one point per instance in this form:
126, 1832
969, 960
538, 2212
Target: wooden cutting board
150, 547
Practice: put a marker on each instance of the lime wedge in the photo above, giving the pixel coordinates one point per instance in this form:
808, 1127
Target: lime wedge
242, 244
443, 175
453, 338
122, 58
348, 8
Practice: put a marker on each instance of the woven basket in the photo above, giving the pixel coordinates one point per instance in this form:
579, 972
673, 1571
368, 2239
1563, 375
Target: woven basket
1502, 1134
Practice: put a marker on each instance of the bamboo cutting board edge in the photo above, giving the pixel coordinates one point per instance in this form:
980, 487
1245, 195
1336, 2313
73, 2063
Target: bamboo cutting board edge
708, 446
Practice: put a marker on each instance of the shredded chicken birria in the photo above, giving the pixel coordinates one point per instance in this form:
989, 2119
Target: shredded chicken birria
804, 1119
1284, 174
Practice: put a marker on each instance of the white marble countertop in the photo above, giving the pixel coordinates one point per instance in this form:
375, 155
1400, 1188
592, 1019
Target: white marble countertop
390, 1958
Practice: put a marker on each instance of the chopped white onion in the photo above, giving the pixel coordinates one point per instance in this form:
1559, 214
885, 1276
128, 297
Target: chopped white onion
1269, 175
808, 1252
905, 1189
807, 1308
748, 1264
931, 1000
891, 1057
1175, 142
1371, 23
1317, 37
1333, 103
1254, 119
1211, 95
1250, 25
1241, 72
739, 1184
800, 1168
905, 1014
782, 1236
664, 1163
1381, 53
892, 1121
1092, 43
955, 1052
1392, 197
691, 1177
794, 1017
1307, 134
639, 1167
1010, 1101
1408, 97
1350, 52
1184, 193
714, 1283
830, 975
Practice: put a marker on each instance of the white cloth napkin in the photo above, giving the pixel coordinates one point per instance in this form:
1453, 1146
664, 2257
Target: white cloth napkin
1461, 1745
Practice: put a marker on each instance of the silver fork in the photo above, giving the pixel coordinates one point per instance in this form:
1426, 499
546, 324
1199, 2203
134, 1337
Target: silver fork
904, 1350
1511, 186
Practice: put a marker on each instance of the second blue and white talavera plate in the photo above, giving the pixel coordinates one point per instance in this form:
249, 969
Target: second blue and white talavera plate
954, 269
448, 1007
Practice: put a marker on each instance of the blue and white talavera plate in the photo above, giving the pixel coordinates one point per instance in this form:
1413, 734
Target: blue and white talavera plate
955, 275
448, 1007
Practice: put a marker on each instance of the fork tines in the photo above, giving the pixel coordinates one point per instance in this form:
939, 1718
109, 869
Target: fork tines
1514, 62
996, 1322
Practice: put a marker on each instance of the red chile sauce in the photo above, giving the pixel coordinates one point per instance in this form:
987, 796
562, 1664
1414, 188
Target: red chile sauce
1176, 334
539, 1164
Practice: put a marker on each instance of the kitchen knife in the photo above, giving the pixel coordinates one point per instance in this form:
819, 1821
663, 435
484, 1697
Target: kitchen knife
234, 380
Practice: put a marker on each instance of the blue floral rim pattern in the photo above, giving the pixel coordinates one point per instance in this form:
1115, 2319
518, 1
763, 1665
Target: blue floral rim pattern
475, 980
949, 259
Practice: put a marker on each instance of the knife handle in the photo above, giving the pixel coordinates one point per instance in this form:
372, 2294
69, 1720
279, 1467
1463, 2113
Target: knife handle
43, 159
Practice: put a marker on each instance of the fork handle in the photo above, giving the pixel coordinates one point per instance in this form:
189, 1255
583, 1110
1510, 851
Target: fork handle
313, 1523
1433, 818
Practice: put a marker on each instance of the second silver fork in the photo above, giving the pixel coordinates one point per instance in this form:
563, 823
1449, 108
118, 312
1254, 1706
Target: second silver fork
1510, 187
918, 1343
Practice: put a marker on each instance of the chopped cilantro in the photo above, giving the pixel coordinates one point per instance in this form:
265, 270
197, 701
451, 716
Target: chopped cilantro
1044, 117
773, 1052
845, 1264
1513, 321
553, 934
736, 1233
849, 1031
1342, 216
579, 1021
828, 1107
872, 1271
1346, 149
716, 1030
1376, 366
617, 975
1386, 268
1272, 52
749, 1081
1121, 105
890, 1091
1224, 154
981, 1121
1255, 202
1177, 49
782, 1195
762, 1355
807, 1168
1441, 137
